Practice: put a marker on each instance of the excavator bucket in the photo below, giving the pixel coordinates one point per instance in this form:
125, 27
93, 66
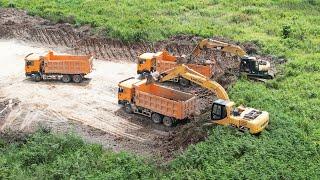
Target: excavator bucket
150, 79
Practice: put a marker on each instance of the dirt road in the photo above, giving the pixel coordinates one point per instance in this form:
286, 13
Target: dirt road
93, 103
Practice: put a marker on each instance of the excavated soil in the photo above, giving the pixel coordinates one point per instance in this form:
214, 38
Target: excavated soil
90, 109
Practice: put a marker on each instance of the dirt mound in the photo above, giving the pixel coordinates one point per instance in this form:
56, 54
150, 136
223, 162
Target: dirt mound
185, 134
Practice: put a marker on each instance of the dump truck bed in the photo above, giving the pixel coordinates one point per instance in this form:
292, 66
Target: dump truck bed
205, 70
165, 101
67, 64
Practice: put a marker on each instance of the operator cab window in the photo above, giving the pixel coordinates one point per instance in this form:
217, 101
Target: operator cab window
218, 112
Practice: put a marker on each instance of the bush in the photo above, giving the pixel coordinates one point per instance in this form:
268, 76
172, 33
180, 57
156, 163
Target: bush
286, 31
66, 156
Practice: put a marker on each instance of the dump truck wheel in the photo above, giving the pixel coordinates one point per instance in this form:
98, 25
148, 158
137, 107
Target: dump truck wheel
128, 108
77, 78
66, 78
156, 118
37, 78
168, 121
184, 82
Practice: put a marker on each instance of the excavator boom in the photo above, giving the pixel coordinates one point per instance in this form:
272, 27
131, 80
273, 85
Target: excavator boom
195, 77
218, 45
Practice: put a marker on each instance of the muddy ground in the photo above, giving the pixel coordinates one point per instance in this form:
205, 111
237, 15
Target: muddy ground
90, 109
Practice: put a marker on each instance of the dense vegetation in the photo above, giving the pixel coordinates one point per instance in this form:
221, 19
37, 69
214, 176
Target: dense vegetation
290, 148
44, 155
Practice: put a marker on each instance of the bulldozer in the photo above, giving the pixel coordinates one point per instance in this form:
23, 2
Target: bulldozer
250, 66
223, 111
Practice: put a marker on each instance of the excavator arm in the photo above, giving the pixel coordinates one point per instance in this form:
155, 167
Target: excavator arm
195, 77
218, 45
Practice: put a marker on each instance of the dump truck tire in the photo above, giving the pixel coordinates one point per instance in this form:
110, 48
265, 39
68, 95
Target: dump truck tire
66, 78
77, 78
37, 78
184, 82
128, 108
156, 118
168, 121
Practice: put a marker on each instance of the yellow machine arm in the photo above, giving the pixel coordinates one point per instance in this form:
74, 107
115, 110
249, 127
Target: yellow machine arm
193, 76
218, 45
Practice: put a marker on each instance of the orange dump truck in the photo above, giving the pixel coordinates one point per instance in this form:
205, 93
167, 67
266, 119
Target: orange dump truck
163, 61
161, 104
61, 67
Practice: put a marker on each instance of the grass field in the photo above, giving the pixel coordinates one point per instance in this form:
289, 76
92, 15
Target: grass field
289, 149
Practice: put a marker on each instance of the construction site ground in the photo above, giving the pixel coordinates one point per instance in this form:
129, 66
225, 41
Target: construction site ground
90, 109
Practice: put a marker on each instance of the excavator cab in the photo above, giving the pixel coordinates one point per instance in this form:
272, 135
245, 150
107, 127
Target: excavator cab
254, 67
218, 111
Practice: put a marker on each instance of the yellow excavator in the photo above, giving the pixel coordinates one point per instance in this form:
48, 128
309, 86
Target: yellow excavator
248, 65
223, 111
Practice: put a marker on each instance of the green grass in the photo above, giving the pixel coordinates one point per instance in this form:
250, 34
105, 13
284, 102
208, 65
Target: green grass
290, 147
48, 156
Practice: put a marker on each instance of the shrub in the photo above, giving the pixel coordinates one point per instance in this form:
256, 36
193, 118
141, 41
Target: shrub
286, 31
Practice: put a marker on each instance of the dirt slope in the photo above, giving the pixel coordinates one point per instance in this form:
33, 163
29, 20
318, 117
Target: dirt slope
18, 25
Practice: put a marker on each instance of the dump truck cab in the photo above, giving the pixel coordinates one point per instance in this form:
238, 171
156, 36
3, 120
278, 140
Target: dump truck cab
32, 64
126, 90
223, 112
146, 63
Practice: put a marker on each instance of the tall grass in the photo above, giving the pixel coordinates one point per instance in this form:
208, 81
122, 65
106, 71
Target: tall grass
290, 147
48, 156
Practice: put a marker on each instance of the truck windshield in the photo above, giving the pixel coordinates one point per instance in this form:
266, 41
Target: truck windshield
141, 61
29, 63
120, 89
